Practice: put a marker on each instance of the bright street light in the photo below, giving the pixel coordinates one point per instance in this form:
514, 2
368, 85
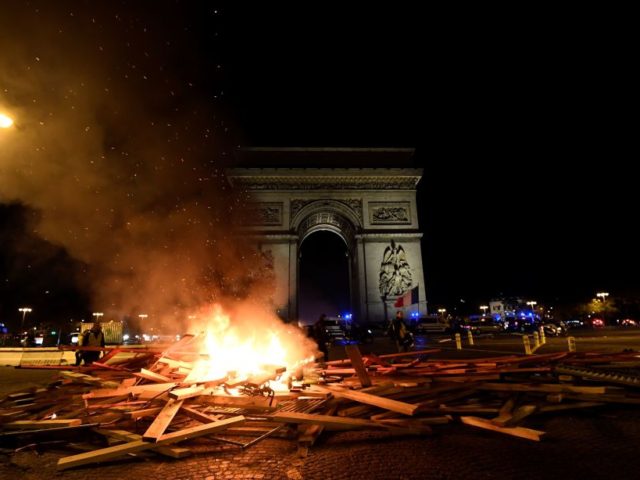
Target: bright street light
442, 311
5, 121
24, 311
484, 309
604, 296
98, 315
143, 315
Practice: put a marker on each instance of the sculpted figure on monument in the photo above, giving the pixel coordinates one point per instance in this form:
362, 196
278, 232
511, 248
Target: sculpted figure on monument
395, 273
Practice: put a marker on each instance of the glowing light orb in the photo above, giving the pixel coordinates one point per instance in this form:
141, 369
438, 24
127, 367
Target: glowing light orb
5, 121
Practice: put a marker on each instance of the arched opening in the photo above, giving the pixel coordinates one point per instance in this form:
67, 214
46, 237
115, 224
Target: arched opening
324, 285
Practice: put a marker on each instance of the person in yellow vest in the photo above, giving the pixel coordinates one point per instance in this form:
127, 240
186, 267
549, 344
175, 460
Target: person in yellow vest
92, 338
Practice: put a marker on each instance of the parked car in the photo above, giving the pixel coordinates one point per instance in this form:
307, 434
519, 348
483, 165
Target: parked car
574, 323
628, 322
431, 324
555, 329
483, 325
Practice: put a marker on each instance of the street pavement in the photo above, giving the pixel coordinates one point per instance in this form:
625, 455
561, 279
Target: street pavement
599, 443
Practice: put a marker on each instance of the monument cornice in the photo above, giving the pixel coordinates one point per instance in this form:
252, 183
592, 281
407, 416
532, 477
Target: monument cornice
388, 233
325, 178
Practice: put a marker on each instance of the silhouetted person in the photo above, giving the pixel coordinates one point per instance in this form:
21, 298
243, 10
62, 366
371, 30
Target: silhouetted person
399, 332
92, 338
79, 352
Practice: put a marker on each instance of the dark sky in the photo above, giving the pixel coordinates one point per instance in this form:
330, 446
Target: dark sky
520, 119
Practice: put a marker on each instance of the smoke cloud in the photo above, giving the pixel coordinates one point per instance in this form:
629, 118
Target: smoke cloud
119, 144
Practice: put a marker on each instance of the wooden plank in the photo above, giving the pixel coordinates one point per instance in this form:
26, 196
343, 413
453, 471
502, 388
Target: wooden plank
199, 416
145, 412
183, 393
308, 434
521, 432
162, 421
175, 363
519, 414
249, 403
506, 412
152, 376
199, 430
356, 360
544, 388
375, 400
569, 406
123, 435
337, 423
114, 392
39, 424
140, 445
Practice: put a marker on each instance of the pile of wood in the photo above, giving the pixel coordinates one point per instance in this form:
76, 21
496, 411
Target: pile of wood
130, 408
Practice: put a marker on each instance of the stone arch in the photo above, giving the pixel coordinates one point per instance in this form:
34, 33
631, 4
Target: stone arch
368, 207
329, 215
336, 217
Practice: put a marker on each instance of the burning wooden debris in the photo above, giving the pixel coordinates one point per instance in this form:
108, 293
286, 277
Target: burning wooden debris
169, 399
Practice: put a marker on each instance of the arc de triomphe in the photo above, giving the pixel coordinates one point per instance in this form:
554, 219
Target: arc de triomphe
373, 210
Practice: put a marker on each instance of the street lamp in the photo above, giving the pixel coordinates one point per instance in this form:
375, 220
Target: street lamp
604, 296
5, 121
24, 311
484, 309
142, 316
98, 315
442, 311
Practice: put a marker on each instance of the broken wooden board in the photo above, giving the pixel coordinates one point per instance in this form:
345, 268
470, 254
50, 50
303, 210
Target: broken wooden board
248, 403
521, 432
115, 392
41, 424
356, 360
123, 435
331, 422
140, 445
152, 376
162, 420
375, 400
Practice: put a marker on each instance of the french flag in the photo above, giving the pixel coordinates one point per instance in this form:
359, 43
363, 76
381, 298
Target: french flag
409, 298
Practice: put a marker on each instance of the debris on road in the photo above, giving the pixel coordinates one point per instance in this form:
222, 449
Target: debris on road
156, 400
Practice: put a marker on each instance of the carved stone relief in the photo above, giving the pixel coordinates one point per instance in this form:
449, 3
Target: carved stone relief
354, 204
395, 272
265, 213
389, 213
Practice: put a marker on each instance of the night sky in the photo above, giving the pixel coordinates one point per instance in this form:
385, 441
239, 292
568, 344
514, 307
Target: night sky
521, 121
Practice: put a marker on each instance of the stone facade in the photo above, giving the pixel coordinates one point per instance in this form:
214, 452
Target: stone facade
374, 211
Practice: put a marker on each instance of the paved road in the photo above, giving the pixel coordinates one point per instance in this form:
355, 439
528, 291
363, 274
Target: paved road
593, 444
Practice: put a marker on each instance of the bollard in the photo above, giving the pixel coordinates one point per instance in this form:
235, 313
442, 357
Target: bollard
543, 339
470, 337
458, 342
536, 340
527, 345
572, 343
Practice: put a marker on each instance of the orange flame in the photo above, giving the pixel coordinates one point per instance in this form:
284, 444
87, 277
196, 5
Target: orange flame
254, 343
